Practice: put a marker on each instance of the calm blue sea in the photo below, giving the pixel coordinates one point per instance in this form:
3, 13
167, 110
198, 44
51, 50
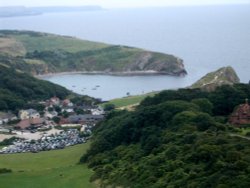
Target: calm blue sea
206, 38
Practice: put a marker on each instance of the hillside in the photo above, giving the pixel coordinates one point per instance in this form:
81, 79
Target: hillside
50, 169
17, 88
174, 139
222, 76
42, 53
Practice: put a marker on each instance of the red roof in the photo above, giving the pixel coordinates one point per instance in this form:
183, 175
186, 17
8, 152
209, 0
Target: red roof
36, 121
24, 124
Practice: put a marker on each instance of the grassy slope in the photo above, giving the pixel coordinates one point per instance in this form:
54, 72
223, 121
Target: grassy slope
57, 168
127, 101
52, 42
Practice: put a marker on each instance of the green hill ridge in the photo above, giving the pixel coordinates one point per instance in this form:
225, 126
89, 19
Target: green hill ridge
175, 139
43, 53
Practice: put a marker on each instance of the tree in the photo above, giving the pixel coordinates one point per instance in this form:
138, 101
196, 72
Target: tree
56, 119
109, 107
203, 121
204, 104
3, 105
58, 109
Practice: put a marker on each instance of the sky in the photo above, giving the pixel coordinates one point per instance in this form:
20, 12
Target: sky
119, 3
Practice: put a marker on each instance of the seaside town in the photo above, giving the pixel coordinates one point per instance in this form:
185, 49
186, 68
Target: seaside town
59, 124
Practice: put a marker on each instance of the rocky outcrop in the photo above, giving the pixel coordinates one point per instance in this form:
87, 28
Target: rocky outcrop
223, 76
151, 62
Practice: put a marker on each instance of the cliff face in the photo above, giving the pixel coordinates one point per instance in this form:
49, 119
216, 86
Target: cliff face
159, 63
223, 76
43, 53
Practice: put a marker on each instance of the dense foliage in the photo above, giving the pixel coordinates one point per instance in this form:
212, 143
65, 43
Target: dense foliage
16, 89
175, 139
8, 141
5, 170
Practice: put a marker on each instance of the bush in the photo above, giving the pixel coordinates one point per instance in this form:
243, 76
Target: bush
248, 134
8, 141
109, 107
5, 170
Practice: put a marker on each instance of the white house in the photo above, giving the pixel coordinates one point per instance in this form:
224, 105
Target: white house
50, 115
97, 111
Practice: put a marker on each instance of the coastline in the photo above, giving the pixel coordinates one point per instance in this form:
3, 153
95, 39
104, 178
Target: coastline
126, 73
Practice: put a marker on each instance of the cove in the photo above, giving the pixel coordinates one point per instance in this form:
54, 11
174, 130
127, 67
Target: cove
109, 87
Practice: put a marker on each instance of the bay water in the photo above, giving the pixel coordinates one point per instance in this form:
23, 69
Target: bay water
205, 37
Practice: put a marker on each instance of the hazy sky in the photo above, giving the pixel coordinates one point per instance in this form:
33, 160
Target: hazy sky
118, 3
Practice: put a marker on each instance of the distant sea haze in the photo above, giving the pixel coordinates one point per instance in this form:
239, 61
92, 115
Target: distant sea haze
206, 38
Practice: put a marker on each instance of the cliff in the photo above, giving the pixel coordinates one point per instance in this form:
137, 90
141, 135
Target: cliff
222, 76
43, 53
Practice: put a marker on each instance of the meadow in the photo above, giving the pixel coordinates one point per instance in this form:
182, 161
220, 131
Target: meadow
130, 100
57, 168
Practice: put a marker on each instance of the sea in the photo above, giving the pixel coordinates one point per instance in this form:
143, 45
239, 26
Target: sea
205, 37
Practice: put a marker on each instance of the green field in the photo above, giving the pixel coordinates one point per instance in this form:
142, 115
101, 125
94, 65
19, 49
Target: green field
52, 42
57, 168
131, 100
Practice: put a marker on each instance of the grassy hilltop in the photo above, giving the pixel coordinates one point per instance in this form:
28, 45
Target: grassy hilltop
41, 53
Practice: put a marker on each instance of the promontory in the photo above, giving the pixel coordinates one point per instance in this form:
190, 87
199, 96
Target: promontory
42, 53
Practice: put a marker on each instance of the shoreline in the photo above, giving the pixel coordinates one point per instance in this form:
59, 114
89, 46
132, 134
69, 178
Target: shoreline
127, 73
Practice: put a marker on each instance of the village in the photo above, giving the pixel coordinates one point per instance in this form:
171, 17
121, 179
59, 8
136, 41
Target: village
60, 124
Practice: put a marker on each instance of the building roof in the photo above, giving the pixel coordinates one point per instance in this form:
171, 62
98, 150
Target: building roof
36, 121
85, 117
30, 111
24, 124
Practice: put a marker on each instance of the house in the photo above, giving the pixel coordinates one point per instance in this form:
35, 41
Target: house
54, 101
97, 111
28, 123
23, 124
68, 109
50, 115
27, 114
6, 117
241, 115
67, 103
37, 122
